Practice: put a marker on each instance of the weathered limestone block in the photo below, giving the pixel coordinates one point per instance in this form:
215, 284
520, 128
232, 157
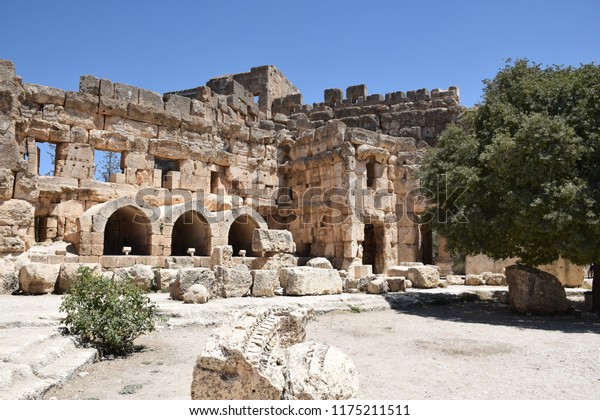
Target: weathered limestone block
275, 262
317, 371
16, 216
7, 181
269, 240
190, 276
38, 278
69, 273
424, 277
474, 280
241, 360
235, 281
197, 293
494, 279
531, 290
142, 275
9, 282
164, 277
264, 282
299, 281
453, 279
319, 263
396, 284
44, 94
377, 286
398, 271
26, 187
222, 256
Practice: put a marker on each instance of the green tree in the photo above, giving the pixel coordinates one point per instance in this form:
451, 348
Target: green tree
527, 161
111, 164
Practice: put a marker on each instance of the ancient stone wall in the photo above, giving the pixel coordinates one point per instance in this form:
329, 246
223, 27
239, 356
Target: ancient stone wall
206, 166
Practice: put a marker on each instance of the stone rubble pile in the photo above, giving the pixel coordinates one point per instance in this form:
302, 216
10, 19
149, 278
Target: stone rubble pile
260, 354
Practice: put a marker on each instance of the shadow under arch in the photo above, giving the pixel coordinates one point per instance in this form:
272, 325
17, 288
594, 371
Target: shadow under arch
240, 224
122, 223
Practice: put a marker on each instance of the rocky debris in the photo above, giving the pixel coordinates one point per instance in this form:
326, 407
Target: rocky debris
398, 271
455, 280
317, 371
38, 278
443, 283
69, 273
494, 279
272, 241
222, 256
140, 274
196, 293
424, 277
531, 290
9, 282
408, 284
474, 280
377, 285
300, 281
275, 262
260, 354
164, 277
233, 282
396, 284
264, 282
319, 263
190, 276
242, 360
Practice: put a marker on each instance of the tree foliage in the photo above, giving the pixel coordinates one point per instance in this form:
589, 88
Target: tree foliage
107, 314
528, 158
111, 164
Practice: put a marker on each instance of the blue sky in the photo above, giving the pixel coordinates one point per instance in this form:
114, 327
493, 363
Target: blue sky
388, 45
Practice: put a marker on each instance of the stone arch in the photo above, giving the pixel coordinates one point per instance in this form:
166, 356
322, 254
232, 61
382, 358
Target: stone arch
127, 227
191, 230
240, 224
141, 223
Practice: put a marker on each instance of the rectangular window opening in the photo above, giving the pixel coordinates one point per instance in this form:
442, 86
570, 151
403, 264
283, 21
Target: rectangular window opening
46, 153
107, 164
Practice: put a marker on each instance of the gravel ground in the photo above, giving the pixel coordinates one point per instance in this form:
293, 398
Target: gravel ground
470, 350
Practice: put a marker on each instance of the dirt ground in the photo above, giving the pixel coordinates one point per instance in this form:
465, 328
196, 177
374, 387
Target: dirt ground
473, 350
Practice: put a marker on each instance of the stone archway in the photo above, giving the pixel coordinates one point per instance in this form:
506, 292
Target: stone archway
240, 234
191, 230
127, 227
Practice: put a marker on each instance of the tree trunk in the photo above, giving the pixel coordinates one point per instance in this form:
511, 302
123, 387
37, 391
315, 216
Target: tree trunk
596, 289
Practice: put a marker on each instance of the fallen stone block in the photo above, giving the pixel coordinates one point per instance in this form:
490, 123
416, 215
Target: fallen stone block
424, 277
531, 290
264, 282
197, 293
396, 284
9, 282
244, 358
494, 279
300, 281
319, 263
474, 280
317, 371
234, 282
69, 272
453, 279
377, 286
38, 278
190, 276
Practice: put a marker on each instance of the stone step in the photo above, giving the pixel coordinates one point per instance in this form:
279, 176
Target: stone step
38, 362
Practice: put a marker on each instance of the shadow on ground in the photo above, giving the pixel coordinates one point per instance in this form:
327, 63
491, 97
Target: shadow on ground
468, 308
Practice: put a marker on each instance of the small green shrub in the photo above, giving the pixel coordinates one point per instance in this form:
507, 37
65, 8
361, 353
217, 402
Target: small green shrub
130, 389
356, 309
107, 314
